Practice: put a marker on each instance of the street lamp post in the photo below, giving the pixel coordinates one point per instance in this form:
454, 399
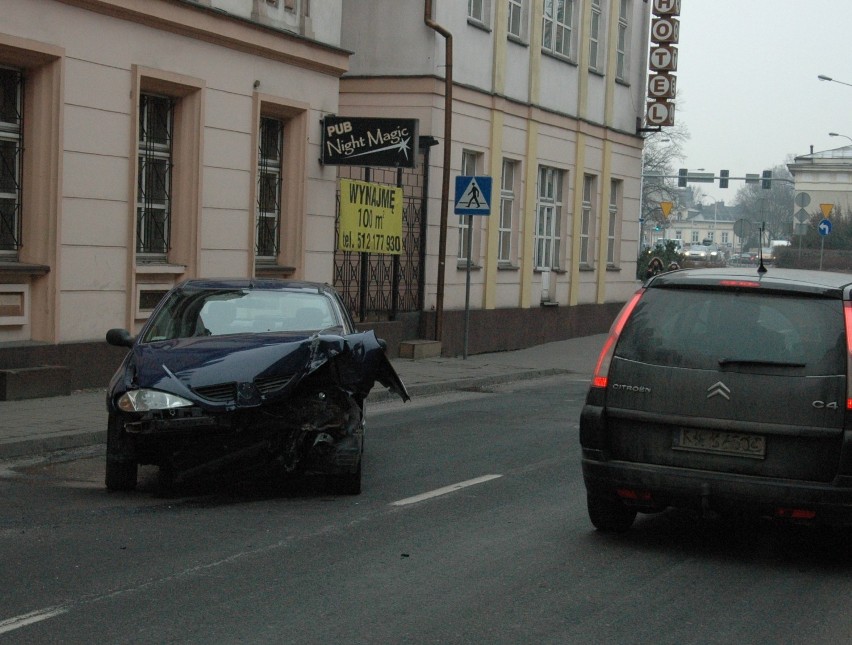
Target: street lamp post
823, 77
837, 134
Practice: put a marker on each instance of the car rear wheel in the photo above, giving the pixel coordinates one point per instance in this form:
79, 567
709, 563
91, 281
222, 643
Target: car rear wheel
121, 472
609, 514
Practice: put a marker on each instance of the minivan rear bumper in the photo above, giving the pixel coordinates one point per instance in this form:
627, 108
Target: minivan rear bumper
650, 488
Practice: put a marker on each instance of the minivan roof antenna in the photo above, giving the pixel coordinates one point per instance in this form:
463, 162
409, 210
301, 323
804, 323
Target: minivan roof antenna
762, 267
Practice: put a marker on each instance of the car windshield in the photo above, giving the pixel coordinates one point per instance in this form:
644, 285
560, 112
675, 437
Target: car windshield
210, 312
707, 329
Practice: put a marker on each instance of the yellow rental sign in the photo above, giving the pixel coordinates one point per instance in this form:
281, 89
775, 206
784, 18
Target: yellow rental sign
370, 218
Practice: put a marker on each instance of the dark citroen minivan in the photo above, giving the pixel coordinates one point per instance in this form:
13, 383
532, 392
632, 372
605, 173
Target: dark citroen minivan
728, 391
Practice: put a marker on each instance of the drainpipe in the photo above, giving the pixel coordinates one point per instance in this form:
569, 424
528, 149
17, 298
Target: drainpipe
445, 186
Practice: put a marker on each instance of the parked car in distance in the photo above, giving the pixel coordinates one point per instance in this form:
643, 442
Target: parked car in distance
244, 373
724, 391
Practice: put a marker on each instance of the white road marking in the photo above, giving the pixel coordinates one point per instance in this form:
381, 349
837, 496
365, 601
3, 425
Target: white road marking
23, 620
443, 491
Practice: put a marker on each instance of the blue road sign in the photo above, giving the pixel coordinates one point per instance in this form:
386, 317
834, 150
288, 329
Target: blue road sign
825, 227
473, 196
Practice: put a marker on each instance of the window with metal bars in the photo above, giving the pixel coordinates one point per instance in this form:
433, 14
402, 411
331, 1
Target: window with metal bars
153, 207
269, 168
11, 151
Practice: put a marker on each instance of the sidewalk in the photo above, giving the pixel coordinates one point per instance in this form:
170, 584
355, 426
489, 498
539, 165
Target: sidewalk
36, 426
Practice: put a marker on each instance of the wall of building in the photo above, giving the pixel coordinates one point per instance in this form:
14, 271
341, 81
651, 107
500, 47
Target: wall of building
101, 54
511, 101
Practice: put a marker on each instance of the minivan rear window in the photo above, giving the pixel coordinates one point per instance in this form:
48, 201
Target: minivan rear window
704, 329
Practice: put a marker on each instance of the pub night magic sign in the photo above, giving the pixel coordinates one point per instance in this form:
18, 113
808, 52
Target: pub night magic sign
356, 141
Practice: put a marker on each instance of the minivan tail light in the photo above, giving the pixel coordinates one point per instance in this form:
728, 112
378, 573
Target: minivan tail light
599, 378
847, 316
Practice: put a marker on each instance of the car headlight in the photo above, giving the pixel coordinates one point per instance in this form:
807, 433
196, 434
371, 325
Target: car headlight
146, 400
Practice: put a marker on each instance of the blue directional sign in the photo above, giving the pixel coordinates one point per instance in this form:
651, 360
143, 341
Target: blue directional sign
473, 196
825, 227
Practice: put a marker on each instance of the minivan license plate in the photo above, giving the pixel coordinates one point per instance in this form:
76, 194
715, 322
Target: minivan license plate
722, 443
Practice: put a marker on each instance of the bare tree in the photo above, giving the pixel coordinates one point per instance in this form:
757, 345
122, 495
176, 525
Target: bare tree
659, 184
772, 207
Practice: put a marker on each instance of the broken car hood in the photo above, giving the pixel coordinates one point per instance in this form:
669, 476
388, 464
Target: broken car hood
262, 367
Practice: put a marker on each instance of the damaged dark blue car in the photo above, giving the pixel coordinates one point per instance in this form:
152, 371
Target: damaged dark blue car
244, 373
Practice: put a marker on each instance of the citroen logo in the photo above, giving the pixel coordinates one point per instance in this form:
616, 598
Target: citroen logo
719, 389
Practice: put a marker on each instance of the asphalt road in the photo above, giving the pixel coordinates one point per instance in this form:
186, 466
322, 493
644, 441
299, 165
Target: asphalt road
471, 529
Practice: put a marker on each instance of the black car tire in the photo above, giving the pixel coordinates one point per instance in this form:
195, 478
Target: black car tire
609, 514
121, 472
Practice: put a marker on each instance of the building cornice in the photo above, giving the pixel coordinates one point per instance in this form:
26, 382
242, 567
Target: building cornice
210, 25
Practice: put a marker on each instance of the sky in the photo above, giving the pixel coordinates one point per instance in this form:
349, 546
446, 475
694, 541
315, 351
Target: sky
747, 86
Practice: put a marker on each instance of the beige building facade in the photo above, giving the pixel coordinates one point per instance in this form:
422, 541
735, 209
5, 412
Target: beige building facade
132, 135
826, 178
150, 141
547, 106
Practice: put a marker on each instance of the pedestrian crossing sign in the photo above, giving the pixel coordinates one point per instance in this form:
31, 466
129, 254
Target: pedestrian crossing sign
473, 196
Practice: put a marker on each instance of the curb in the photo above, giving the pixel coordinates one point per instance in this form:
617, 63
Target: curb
462, 384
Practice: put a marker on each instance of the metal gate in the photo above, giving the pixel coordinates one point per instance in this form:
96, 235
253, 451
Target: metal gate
377, 286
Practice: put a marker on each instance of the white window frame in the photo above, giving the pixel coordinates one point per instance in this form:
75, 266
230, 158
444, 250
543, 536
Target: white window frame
614, 225
517, 19
595, 30
622, 41
557, 27
505, 228
469, 165
479, 12
587, 221
548, 224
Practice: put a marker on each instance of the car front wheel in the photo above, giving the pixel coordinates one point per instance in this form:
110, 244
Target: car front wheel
121, 471
609, 514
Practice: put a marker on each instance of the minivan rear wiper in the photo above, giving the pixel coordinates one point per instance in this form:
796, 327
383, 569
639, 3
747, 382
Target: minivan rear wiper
757, 361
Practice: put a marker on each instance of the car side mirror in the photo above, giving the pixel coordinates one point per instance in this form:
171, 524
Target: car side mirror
383, 344
119, 338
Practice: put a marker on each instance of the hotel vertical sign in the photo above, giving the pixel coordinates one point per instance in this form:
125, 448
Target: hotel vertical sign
662, 62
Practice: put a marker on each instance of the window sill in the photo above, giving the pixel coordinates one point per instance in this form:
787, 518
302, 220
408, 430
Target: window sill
151, 268
507, 266
560, 57
473, 22
512, 38
462, 266
613, 267
22, 268
273, 270
587, 267
555, 270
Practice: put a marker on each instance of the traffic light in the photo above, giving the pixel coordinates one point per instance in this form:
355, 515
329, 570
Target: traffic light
766, 181
681, 177
723, 178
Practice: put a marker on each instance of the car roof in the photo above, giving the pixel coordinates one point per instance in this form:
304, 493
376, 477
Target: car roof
827, 283
263, 284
